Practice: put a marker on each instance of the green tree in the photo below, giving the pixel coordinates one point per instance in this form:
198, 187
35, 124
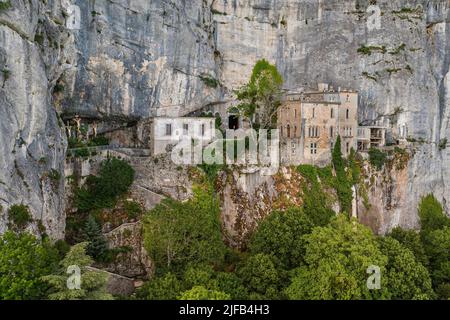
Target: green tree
406, 277
437, 247
23, 261
231, 284
411, 240
431, 214
281, 235
92, 283
166, 287
97, 247
200, 275
337, 258
177, 234
201, 293
262, 277
262, 95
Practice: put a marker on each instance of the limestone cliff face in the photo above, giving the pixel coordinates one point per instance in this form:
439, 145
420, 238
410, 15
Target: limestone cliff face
138, 58
32, 144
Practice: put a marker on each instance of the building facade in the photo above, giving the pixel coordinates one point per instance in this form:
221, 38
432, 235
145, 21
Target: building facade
167, 132
309, 123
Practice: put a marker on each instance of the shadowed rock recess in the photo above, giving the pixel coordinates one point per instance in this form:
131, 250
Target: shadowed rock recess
134, 59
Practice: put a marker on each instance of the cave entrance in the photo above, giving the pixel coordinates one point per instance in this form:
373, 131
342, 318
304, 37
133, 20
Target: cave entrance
233, 122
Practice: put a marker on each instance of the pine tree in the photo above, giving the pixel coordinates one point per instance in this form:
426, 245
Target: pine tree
92, 284
98, 246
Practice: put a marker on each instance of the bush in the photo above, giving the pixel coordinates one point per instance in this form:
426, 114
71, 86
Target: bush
82, 153
5, 5
377, 158
19, 215
54, 175
114, 179
133, 209
209, 81
99, 141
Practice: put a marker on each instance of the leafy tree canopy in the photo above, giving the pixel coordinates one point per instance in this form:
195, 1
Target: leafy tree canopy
23, 261
177, 234
262, 95
406, 277
281, 235
337, 258
201, 293
262, 276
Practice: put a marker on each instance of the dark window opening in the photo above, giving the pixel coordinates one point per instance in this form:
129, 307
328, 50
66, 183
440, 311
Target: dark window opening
233, 122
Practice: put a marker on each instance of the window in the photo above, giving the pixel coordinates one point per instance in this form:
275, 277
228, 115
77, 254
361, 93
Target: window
202, 130
347, 114
293, 146
168, 129
331, 131
314, 132
288, 129
185, 128
332, 113
313, 148
295, 113
314, 112
347, 147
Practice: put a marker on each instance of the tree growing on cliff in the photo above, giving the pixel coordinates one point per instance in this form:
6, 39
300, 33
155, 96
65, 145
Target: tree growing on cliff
92, 284
261, 96
97, 246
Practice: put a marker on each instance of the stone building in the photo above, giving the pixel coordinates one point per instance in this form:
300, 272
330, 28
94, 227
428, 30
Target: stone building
167, 132
310, 121
371, 137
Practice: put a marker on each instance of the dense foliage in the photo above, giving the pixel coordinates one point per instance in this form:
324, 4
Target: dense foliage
377, 158
300, 253
23, 261
19, 216
92, 285
114, 179
177, 234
